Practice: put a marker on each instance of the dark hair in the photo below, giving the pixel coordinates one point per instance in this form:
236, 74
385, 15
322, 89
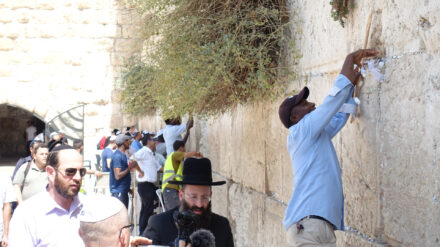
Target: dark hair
145, 139
34, 142
77, 144
178, 144
167, 121
53, 157
54, 144
41, 145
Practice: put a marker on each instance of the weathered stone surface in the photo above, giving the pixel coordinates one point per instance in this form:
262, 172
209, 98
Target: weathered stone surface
63, 51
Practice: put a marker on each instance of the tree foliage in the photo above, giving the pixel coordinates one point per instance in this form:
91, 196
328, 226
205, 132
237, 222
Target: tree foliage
205, 56
340, 10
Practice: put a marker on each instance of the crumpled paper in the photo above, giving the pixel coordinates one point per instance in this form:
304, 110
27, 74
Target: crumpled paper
375, 68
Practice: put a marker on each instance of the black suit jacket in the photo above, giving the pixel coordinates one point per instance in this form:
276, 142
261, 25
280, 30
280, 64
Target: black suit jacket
163, 231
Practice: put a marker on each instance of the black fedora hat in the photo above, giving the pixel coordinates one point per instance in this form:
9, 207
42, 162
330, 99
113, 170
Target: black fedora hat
197, 172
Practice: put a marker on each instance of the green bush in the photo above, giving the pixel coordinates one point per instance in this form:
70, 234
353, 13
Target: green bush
340, 10
203, 57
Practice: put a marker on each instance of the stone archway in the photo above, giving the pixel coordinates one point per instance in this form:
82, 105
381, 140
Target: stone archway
13, 122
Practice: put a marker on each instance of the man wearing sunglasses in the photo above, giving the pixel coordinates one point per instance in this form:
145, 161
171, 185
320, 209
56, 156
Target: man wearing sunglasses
50, 217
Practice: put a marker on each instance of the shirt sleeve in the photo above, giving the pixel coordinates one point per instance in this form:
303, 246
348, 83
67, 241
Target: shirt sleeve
10, 195
177, 159
151, 232
140, 155
19, 176
180, 129
340, 119
314, 122
116, 160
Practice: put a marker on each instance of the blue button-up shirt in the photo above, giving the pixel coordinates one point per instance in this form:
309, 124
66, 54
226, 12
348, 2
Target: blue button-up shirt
317, 175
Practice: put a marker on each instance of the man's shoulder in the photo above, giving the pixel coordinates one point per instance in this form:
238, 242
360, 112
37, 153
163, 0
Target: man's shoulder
218, 219
162, 217
34, 204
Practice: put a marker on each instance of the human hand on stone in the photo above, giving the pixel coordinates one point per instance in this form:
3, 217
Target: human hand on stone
353, 58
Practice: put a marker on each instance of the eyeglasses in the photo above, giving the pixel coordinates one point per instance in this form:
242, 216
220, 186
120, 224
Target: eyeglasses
70, 172
195, 198
124, 227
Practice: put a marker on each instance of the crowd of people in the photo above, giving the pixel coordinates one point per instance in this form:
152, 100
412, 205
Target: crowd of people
48, 209
52, 212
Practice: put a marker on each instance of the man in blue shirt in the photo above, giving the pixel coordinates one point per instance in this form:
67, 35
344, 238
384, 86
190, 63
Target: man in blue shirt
106, 156
120, 178
136, 145
316, 208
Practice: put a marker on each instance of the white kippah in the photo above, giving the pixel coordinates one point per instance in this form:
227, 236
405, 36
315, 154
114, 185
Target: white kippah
98, 208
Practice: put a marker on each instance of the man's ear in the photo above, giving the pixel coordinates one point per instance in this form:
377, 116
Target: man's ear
124, 240
180, 195
294, 118
50, 170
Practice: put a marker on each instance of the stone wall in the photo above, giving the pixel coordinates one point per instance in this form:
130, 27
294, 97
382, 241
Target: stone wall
389, 155
58, 54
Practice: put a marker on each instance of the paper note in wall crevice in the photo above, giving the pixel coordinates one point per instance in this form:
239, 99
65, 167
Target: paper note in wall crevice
374, 68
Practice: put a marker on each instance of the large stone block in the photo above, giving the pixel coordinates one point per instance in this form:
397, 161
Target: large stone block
6, 44
410, 106
128, 45
124, 17
17, 4
131, 31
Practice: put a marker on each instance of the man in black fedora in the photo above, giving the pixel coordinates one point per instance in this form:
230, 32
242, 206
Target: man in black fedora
195, 195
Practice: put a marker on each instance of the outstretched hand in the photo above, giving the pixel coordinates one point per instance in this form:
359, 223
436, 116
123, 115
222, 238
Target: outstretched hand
135, 241
353, 58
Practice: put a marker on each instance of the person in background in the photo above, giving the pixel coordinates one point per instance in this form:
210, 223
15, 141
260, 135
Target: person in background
135, 144
106, 156
146, 184
25, 160
7, 196
173, 172
30, 133
31, 178
120, 178
173, 131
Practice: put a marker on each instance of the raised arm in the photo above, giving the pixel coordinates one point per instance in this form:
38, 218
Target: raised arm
339, 94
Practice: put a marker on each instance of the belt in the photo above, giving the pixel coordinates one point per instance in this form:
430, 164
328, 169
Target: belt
318, 218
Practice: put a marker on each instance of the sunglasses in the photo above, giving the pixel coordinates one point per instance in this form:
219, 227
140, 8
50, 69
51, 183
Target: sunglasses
70, 172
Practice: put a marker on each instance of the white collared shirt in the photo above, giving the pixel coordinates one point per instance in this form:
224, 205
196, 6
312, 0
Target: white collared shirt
148, 164
171, 133
40, 221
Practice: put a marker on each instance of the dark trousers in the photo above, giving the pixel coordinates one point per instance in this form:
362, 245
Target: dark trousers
123, 197
147, 192
28, 151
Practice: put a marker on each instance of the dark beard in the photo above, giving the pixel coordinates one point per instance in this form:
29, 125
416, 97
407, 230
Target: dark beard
203, 220
64, 190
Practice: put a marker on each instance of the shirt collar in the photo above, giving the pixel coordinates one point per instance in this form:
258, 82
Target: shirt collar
50, 204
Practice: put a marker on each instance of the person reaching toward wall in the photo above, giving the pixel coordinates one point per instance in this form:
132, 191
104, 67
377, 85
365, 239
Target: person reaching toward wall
316, 208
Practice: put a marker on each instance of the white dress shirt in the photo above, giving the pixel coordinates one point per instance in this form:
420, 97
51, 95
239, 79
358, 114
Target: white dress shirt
148, 164
172, 133
40, 221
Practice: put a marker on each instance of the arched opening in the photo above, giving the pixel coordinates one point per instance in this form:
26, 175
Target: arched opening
13, 123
